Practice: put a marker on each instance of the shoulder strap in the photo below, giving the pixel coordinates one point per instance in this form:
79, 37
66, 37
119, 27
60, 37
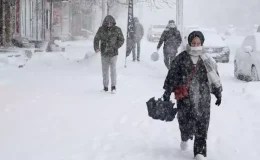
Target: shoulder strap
193, 74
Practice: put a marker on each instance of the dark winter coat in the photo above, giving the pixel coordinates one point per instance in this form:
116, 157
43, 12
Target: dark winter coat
193, 111
171, 38
139, 31
111, 38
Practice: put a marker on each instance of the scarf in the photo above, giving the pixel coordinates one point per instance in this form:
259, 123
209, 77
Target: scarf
212, 71
210, 64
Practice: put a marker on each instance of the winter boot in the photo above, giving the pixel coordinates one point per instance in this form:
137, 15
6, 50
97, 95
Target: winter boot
113, 89
184, 145
105, 89
200, 157
133, 60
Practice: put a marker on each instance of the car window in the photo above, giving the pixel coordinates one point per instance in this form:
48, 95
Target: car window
249, 41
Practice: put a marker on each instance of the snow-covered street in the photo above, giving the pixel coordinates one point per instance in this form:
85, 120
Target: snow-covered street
54, 109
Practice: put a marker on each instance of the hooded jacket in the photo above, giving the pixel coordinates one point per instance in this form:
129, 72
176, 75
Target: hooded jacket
109, 39
139, 30
171, 38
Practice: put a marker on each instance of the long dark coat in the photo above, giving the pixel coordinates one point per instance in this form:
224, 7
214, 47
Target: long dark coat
193, 111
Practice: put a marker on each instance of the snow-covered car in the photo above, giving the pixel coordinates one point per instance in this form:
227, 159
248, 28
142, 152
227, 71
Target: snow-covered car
14, 57
154, 32
247, 59
214, 44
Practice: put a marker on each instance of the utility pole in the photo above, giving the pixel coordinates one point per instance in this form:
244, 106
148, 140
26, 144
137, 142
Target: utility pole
51, 17
179, 15
1, 23
108, 7
37, 18
103, 10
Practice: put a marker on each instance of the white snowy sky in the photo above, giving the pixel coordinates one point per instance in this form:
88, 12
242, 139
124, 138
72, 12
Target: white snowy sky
203, 12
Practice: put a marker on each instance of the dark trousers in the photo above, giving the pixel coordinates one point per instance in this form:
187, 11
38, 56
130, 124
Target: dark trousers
193, 126
138, 43
168, 58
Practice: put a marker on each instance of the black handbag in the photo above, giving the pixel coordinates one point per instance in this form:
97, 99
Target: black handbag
161, 110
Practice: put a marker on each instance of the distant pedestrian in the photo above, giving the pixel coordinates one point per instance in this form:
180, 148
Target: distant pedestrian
138, 35
171, 38
108, 39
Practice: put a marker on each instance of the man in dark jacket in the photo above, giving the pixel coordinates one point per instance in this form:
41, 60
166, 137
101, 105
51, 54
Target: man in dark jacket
138, 34
111, 38
171, 38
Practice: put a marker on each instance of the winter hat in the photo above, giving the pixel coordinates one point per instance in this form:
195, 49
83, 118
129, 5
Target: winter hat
171, 26
109, 19
171, 21
194, 34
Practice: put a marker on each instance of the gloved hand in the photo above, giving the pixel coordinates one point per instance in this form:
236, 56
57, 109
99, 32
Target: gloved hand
166, 96
218, 102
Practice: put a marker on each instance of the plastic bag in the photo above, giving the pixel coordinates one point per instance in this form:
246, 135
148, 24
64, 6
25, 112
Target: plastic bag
155, 56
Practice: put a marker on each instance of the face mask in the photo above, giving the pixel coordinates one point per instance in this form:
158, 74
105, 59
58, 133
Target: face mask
196, 48
196, 51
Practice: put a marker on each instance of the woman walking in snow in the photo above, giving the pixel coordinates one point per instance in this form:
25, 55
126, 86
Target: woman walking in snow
192, 77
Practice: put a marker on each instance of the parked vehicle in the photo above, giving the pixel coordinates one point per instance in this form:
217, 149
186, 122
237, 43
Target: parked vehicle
214, 44
155, 31
247, 59
15, 57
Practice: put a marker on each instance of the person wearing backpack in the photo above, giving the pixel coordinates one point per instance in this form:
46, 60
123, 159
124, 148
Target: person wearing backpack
172, 40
